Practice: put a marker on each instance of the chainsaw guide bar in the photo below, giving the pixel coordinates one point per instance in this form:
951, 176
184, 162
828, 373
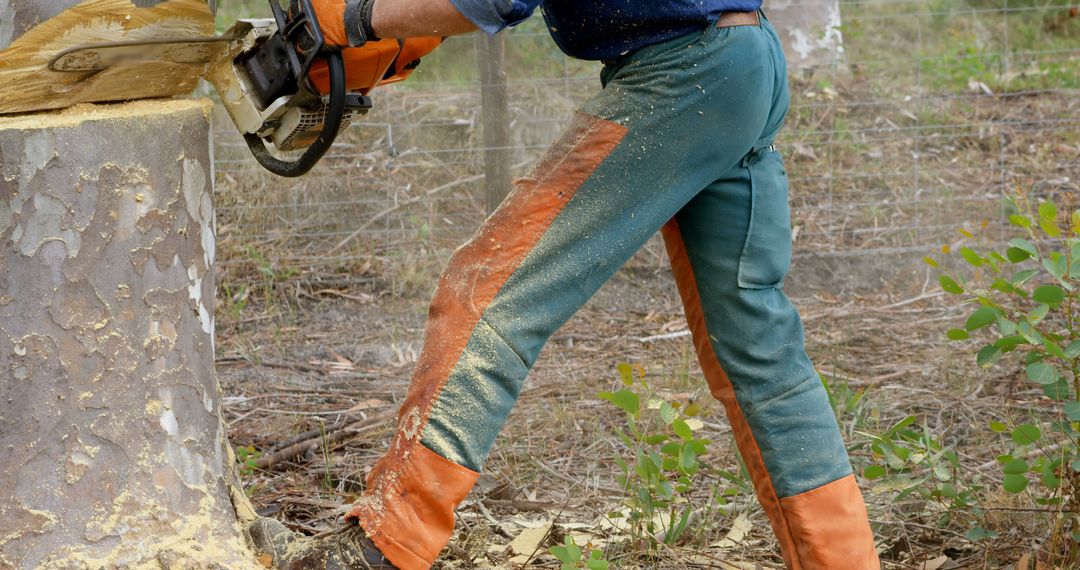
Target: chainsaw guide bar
285, 90
96, 57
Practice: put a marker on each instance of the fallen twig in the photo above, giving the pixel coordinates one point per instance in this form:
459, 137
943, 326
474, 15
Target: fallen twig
665, 336
307, 435
331, 435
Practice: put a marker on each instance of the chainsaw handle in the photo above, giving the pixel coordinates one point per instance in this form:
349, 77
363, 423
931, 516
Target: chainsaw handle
335, 112
300, 29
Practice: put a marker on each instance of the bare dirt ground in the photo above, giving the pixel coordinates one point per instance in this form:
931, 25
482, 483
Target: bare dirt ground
345, 356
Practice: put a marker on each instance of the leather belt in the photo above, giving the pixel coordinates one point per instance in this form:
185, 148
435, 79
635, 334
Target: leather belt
732, 19
726, 20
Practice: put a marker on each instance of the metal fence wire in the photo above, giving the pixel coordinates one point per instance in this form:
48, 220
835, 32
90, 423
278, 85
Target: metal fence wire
932, 112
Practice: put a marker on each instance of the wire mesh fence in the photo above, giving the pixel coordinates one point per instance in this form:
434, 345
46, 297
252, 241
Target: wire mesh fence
933, 110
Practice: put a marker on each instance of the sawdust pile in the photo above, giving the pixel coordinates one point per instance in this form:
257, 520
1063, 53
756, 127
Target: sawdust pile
84, 112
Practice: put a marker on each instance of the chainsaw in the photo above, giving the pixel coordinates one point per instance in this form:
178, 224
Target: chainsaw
286, 91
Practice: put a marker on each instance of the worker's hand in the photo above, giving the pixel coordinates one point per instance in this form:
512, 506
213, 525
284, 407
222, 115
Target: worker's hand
346, 548
344, 22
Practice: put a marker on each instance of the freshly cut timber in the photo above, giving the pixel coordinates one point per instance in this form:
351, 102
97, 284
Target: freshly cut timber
27, 84
99, 57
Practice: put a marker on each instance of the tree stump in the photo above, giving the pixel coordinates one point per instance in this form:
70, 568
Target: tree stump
113, 449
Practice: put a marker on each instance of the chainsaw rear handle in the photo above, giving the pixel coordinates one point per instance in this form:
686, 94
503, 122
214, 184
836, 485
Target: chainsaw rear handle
335, 112
300, 30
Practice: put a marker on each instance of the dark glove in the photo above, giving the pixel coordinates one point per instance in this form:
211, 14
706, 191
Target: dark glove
346, 548
345, 22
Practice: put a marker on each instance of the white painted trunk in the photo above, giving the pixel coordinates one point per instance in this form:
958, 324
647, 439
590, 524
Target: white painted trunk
810, 31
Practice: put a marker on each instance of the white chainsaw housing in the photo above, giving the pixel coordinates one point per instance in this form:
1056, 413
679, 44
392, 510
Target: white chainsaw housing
284, 122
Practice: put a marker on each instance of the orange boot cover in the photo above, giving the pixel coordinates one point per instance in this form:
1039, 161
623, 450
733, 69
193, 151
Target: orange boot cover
411, 515
829, 527
823, 529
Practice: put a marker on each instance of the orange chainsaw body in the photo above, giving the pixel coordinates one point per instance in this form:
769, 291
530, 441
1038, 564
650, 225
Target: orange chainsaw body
375, 63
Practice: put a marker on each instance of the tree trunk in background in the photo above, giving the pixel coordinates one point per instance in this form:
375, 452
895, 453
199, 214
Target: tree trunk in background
111, 437
809, 30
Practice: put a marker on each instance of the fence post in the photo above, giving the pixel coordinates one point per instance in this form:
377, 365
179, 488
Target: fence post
495, 117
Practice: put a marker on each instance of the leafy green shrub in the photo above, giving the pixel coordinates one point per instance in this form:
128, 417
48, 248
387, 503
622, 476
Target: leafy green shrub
912, 461
247, 456
572, 558
661, 475
1027, 306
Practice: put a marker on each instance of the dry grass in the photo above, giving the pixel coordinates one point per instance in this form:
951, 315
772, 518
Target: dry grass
554, 460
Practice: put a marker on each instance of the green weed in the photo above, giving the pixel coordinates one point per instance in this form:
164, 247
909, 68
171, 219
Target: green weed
247, 456
909, 459
572, 557
234, 301
660, 477
848, 404
272, 274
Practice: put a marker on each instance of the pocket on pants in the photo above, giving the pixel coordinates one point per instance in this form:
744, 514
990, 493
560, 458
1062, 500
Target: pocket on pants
766, 254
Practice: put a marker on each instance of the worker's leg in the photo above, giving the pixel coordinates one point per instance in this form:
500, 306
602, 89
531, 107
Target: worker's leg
671, 119
749, 342
730, 248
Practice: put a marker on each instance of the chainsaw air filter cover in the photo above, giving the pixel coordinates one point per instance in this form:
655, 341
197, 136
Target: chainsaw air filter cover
300, 127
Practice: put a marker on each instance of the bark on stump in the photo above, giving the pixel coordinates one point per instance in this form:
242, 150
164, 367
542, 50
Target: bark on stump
113, 450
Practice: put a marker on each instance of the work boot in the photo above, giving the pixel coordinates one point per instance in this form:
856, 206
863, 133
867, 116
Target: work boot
345, 548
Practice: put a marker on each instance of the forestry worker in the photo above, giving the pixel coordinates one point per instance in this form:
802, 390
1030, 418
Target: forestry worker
680, 140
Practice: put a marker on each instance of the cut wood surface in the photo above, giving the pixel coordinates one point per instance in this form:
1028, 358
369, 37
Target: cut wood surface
26, 83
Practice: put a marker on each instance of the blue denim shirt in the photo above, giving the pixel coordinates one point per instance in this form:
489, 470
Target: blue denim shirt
604, 29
